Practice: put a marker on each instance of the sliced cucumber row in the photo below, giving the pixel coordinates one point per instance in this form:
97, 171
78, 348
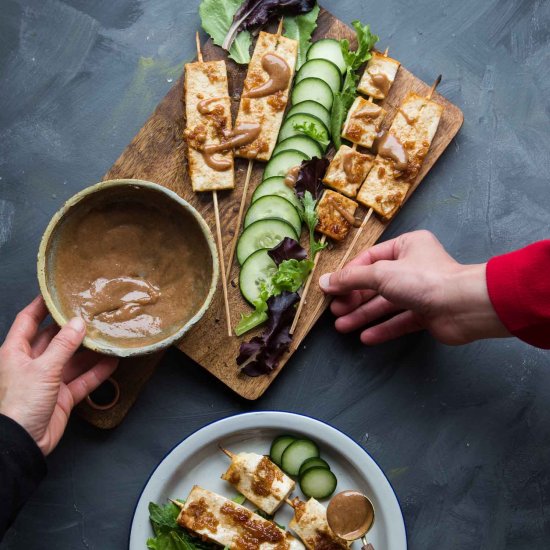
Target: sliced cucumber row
257, 268
302, 143
294, 125
329, 49
276, 186
273, 206
300, 457
282, 162
323, 69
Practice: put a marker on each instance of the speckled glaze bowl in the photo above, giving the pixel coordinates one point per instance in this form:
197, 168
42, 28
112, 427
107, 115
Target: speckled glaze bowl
105, 191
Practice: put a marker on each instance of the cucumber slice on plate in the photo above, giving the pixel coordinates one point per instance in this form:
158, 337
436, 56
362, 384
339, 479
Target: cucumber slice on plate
323, 69
302, 143
311, 108
315, 89
327, 48
273, 206
281, 163
263, 234
289, 127
278, 447
257, 268
314, 462
276, 186
318, 483
296, 454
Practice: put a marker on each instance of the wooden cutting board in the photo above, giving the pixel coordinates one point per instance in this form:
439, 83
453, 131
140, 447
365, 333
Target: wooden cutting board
157, 153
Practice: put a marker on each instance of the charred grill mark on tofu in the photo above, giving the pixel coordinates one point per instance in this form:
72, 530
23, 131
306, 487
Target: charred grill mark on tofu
379, 76
207, 109
363, 122
347, 170
414, 126
333, 221
267, 110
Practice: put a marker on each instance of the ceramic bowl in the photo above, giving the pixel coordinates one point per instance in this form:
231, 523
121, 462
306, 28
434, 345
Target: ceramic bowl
115, 190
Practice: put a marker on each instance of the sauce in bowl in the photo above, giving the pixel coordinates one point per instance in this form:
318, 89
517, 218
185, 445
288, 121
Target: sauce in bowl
133, 263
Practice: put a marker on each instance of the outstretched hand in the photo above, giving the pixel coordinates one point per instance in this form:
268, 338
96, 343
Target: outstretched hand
42, 377
408, 284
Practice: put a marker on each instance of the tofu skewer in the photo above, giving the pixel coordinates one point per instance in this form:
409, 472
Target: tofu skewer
348, 134
324, 301
206, 170
311, 525
259, 479
264, 102
222, 521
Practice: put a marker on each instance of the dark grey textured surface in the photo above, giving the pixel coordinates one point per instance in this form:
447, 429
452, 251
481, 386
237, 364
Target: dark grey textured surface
462, 433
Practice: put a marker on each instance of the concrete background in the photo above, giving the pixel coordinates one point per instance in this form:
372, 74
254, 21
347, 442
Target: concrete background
462, 433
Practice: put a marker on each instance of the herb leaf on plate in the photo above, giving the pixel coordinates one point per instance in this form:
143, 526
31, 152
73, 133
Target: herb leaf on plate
262, 354
309, 129
216, 18
354, 59
300, 28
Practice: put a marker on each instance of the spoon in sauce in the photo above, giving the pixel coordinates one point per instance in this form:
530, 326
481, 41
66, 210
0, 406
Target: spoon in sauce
350, 514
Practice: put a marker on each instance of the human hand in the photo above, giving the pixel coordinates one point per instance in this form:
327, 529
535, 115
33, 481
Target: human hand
42, 377
408, 284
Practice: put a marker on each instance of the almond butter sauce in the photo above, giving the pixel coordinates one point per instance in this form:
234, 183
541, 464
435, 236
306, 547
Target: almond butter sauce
381, 82
389, 147
353, 176
350, 218
135, 269
242, 134
202, 106
350, 515
292, 176
369, 110
278, 76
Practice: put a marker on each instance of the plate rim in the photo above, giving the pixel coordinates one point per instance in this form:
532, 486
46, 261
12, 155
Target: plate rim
260, 414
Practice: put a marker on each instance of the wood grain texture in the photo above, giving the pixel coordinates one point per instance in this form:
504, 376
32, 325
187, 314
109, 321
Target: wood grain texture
157, 153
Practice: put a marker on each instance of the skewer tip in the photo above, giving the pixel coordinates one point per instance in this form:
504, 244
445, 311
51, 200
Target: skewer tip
434, 86
226, 452
280, 27
176, 503
290, 503
198, 43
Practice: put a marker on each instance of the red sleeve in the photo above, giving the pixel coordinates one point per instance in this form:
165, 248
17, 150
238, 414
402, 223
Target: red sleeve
519, 288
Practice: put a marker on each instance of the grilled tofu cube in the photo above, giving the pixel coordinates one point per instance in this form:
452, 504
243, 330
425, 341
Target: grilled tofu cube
414, 125
347, 171
378, 76
310, 524
207, 81
259, 480
222, 521
332, 222
268, 111
363, 122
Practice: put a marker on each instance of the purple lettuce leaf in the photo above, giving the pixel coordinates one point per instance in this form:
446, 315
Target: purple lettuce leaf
262, 354
310, 177
256, 13
287, 249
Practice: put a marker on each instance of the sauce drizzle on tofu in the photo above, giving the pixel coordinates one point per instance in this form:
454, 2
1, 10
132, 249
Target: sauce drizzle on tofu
278, 73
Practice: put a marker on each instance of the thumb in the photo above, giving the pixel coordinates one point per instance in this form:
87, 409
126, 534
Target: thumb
355, 277
65, 344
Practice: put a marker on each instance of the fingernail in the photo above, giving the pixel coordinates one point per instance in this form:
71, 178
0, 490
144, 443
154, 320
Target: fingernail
324, 281
77, 324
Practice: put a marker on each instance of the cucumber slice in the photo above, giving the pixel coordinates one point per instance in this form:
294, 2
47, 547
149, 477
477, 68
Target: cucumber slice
262, 234
273, 206
314, 462
278, 447
315, 89
288, 128
318, 483
257, 268
323, 69
327, 48
302, 143
311, 108
296, 454
281, 163
276, 186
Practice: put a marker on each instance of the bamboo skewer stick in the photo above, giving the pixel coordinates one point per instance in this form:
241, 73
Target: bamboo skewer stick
226, 452
218, 226
239, 218
434, 86
176, 503
289, 502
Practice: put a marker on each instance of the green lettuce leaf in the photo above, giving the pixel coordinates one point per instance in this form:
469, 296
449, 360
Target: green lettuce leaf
216, 18
300, 28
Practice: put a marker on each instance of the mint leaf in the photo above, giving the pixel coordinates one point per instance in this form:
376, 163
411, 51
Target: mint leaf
216, 19
300, 28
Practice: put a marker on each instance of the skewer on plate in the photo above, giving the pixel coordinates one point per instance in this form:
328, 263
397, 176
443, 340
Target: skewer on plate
263, 104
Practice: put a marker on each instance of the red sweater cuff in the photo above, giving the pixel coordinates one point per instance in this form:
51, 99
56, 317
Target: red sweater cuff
519, 289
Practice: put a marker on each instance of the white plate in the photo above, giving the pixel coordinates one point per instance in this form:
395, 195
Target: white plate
197, 460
